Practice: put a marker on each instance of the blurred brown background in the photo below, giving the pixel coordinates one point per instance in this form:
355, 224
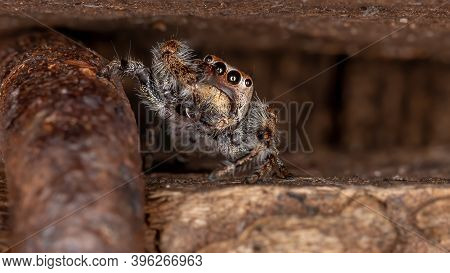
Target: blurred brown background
383, 107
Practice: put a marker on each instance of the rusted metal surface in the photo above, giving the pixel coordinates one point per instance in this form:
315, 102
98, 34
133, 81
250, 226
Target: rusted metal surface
69, 142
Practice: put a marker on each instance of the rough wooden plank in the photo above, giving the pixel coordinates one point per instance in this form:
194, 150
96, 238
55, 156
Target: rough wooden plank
69, 142
186, 214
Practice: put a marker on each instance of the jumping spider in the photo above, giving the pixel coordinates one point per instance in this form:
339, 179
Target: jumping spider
212, 99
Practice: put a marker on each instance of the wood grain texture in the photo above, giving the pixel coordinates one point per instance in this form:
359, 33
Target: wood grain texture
70, 147
296, 216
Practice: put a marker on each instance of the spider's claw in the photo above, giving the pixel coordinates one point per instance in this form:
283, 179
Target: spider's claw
228, 170
252, 179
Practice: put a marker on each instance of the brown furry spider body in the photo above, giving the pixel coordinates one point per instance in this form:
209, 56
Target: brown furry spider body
209, 99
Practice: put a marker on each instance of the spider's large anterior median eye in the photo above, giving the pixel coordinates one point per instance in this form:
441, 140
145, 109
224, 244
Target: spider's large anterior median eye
234, 77
248, 82
220, 68
208, 58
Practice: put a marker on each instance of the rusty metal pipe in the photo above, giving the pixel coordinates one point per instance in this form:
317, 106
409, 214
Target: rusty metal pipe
70, 146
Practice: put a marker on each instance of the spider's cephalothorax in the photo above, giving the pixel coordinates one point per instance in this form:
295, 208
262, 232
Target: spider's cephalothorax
210, 92
211, 99
219, 76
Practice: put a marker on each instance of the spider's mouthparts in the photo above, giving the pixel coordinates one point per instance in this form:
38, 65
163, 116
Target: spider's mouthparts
231, 94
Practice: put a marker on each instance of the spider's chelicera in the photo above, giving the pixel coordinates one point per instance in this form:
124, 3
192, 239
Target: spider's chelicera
210, 98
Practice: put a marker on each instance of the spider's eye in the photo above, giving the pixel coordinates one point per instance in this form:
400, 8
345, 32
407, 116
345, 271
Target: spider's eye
260, 135
220, 68
248, 82
234, 77
264, 134
208, 58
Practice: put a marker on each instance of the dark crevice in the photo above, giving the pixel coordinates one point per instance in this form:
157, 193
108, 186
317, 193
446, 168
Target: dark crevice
336, 102
157, 241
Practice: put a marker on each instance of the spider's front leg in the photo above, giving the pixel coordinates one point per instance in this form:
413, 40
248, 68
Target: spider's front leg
127, 67
272, 165
231, 167
263, 170
228, 170
143, 74
281, 170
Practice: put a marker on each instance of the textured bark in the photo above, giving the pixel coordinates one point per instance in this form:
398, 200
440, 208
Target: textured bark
69, 142
304, 215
